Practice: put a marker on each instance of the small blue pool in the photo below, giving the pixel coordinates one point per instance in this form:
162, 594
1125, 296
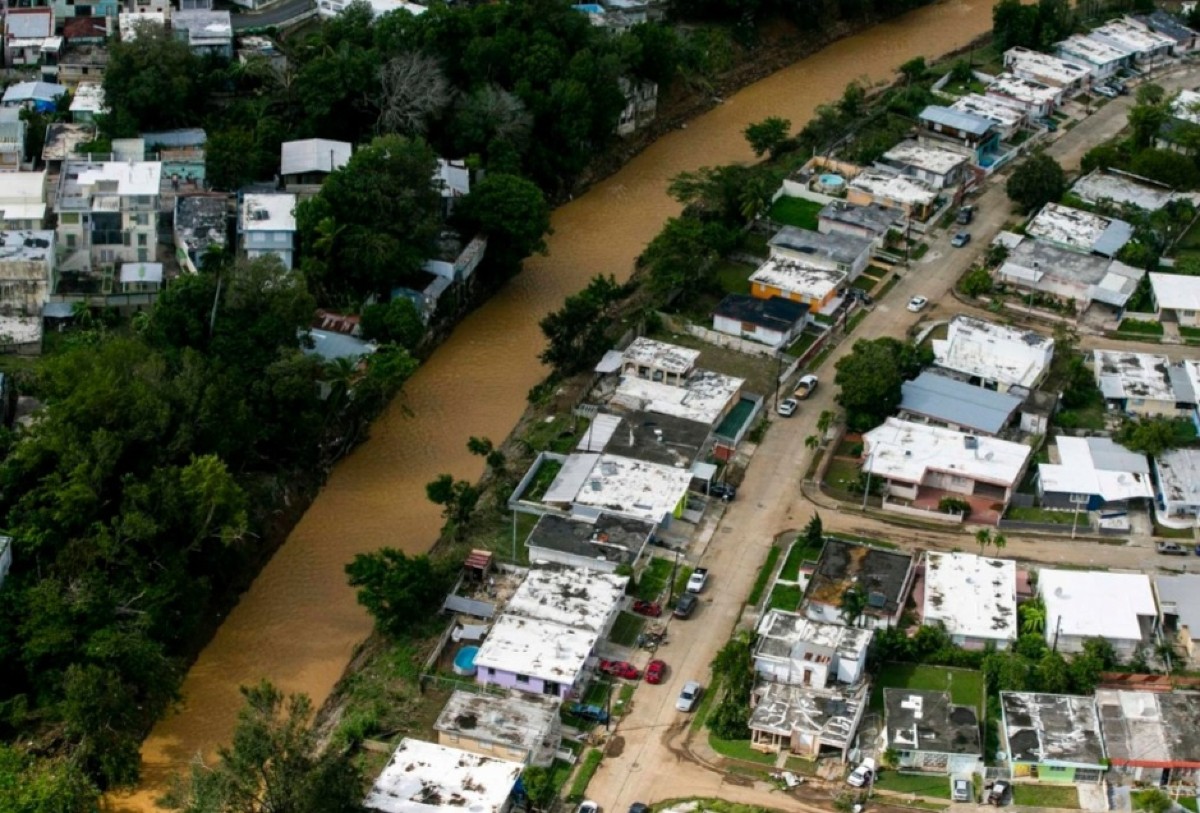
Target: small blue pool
832, 180
464, 661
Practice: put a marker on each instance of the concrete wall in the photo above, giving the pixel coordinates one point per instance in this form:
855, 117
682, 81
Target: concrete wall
730, 333
508, 680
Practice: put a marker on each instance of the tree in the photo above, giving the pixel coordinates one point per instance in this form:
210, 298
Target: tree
1147, 120
1154, 800
681, 256
1052, 674
272, 765
1168, 167
1150, 94
100, 713
983, 538
512, 212
414, 90
768, 135
852, 606
577, 333
914, 70
398, 590
814, 532
1036, 181
976, 282
539, 786
46, 785
870, 378
1033, 617
812, 442
397, 322
1153, 436
151, 82
457, 498
1014, 24
483, 447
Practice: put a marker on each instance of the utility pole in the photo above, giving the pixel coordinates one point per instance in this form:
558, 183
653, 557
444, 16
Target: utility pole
671, 584
867, 490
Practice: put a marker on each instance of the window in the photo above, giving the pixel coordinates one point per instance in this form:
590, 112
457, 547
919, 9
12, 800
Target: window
491, 672
69, 218
141, 239
522, 678
142, 219
143, 255
70, 241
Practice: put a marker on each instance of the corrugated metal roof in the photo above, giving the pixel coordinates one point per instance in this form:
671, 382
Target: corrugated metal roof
599, 433
1113, 238
959, 120
571, 477
956, 402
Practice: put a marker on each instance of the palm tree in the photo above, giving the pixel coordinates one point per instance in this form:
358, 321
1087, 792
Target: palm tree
983, 537
999, 541
854, 602
812, 441
1033, 617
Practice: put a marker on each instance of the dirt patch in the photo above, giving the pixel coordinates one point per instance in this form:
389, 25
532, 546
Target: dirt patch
615, 747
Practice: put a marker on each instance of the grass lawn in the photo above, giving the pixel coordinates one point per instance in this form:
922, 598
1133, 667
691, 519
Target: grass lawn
1188, 802
819, 359
920, 784
622, 702
1022, 514
842, 473
1172, 533
1045, 795
1140, 327
796, 212
864, 283
587, 769
786, 597
681, 579
740, 749
965, 685
545, 475
764, 575
800, 551
756, 245
802, 343
626, 629
653, 579
875, 272
733, 277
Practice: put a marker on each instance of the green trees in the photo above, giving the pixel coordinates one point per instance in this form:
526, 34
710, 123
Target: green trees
768, 135
457, 498
734, 669
976, 282
870, 378
399, 590
1036, 181
43, 786
577, 333
153, 82
512, 212
680, 257
397, 322
1153, 436
1032, 26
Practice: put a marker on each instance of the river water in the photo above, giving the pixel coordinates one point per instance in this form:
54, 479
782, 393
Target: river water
298, 623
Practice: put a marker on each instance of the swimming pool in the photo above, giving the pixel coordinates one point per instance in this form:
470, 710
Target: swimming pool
464, 661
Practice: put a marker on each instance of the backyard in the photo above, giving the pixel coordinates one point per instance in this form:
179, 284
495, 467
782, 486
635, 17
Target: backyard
965, 685
796, 212
1064, 796
937, 786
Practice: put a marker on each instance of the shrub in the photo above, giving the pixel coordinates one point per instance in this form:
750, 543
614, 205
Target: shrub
953, 505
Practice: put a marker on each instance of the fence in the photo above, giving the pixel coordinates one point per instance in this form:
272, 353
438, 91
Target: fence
1084, 527
922, 513
750, 348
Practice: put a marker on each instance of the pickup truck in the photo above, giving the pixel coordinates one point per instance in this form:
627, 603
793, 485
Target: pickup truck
805, 387
1172, 549
697, 580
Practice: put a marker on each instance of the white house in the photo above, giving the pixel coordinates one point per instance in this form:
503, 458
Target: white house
1037, 266
1077, 230
1177, 472
207, 32
1047, 69
833, 250
22, 200
423, 777
799, 651
1176, 298
995, 356
1084, 604
267, 225
973, 598
1034, 98
1107, 474
88, 102
1147, 47
912, 196
1139, 383
107, 213
663, 378
517, 726
332, 8
1111, 186
310, 161
637, 489
1008, 119
938, 166
774, 322
1101, 58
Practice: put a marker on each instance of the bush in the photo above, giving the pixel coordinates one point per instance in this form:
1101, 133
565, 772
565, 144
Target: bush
953, 505
976, 282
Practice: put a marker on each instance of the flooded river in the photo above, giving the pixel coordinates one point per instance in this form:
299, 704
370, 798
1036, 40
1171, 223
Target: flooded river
298, 623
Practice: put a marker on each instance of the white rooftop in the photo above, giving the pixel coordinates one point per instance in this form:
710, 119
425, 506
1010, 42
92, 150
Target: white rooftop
1097, 466
131, 177
781, 633
1079, 230
22, 195
453, 178
633, 488
1023, 90
1003, 115
422, 777
517, 719
1179, 478
1091, 50
1186, 106
993, 352
972, 596
905, 451
1045, 65
1104, 185
1122, 374
88, 98
570, 597
1131, 38
21, 329
313, 155
795, 277
1094, 603
897, 188
1176, 291
25, 246
703, 397
656, 355
539, 649
269, 212
936, 160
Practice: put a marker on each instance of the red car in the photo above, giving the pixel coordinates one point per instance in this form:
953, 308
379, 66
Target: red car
656, 670
647, 608
621, 669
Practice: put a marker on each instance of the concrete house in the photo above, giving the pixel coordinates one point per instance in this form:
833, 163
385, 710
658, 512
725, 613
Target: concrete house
938, 166
201, 223
88, 103
26, 31
1146, 46
912, 196
603, 545
1110, 476
663, 378
40, 96
967, 131
886, 577
423, 777
1035, 266
940, 400
641, 105
871, 222
1177, 472
1101, 58
12, 141
26, 272
1047, 69
1176, 298
309, 162
1168, 25
1007, 119
1036, 99
207, 33
1179, 610
517, 726
1151, 737
22, 200
832, 250
1181, 130
649, 436
1113, 186
1140, 384
1081, 231
1051, 737
973, 598
1083, 604
817, 287
930, 733
267, 225
590, 484
796, 650
107, 214
804, 720
774, 322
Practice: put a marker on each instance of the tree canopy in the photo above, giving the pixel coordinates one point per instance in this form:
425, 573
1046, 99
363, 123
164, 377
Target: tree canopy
398, 590
870, 378
1036, 181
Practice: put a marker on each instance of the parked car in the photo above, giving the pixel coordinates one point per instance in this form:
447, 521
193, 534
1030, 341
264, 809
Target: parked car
998, 794
1118, 86
961, 239
698, 580
649, 608
689, 697
960, 790
685, 605
656, 670
588, 712
863, 774
917, 304
639, 807
1105, 91
621, 669
1172, 549
965, 215
805, 386
787, 407
861, 295
587, 806
722, 491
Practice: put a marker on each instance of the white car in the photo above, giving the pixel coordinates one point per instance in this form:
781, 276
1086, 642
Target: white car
787, 407
917, 304
689, 696
587, 806
1106, 91
863, 774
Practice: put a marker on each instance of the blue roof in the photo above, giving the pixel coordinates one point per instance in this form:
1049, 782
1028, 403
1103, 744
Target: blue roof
589, 8
1113, 238
33, 91
948, 400
959, 120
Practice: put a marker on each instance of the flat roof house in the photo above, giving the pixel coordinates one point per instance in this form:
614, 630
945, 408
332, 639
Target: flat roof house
871, 221
995, 356
1176, 298
635, 489
937, 166
912, 196
1078, 230
973, 598
1168, 25
1051, 737
885, 576
1113, 186
1034, 98
944, 401
107, 215
1106, 473
1146, 46
799, 281
1151, 737
805, 720
649, 436
799, 651
1178, 474
201, 222
910, 457
423, 777
662, 378
1082, 279
774, 322
310, 161
207, 32
88, 102
1083, 604
1006, 118
1139, 383
26, 274
969, 132
602, 545
930, 733
658, 361
12, 141
22, 199
833, 250
1102, 59
1181, 130
267, 225
1179, 610
1047, 69
517, 726
569, 597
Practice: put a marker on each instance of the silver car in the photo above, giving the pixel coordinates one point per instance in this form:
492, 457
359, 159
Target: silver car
689, 697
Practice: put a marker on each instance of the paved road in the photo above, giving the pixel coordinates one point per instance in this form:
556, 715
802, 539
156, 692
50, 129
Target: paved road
652, 757
276, 14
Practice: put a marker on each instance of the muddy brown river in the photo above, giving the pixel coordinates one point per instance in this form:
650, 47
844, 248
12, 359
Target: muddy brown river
298, 623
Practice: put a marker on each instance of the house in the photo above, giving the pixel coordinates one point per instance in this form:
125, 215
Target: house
805, 720
453, 179
605, 544
944, 401
973, 598
833, 250
1035, 266
1077, 230
1007, 119
267, 225
796, 650
5, 557
1051, 737
1047, 69
262, 49
577, 598
309, 162
1176, 298
1121, 188
871, 222
930, 733
423, 777
1107, 474
64, 10
88, 102
912, 196
910, 457
1139, 383
83, 31
649, 436
1169, 26
641, 104
332, 8
968, 131
774, 322
332, 345
79, 64
195, 5
207, 33
1084, 604
884, 575
1101, 58
1146, 46
1177, 472
1179, 610
40, 96
201, 223
131, 24
1034, 98
63, 140
107, 214
817, 287
1151, 737
25, 32
662, 378
26, 271
1181, 130
937, 166
140, 278
517, 726
588, 484
22, 200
